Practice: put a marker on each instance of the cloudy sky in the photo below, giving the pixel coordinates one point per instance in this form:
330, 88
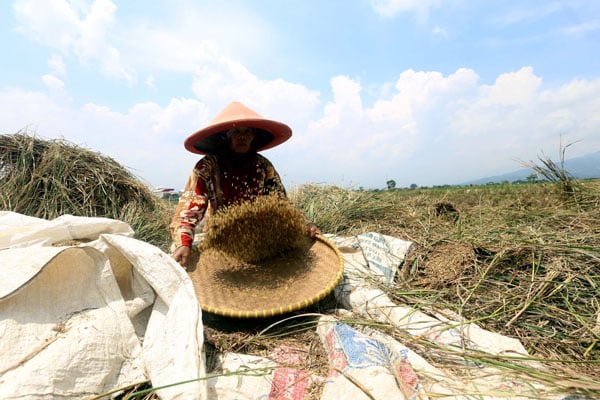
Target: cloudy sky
429, 92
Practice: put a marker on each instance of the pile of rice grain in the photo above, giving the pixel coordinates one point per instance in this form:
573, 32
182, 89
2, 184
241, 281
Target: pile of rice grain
256, 230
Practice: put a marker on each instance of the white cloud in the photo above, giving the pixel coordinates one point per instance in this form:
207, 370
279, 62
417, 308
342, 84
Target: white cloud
423, 127
390, 8
529, 122
437, 129
150, 81
92, 44
220, 80
146, 135
179, 42
57, 65
582, 28
20, 109
527, 12
148, 139
440, 32
381, 140
346, 103
183, 37
514, 88
75, 27
91, 36
429, 129
53, 82
53, 23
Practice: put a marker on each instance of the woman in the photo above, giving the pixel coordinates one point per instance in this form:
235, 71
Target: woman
231, 172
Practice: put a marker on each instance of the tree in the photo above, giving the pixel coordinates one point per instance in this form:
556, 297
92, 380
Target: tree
413, 186
391, 184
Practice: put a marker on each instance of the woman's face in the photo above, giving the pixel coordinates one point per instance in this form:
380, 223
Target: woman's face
240, 140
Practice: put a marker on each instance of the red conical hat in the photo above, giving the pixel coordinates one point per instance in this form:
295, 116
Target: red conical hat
269, 133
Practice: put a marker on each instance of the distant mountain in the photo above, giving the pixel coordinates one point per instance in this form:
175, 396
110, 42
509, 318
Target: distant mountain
583, 167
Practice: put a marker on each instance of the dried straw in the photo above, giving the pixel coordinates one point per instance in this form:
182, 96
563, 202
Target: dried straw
256, 230
526, 264
50, 178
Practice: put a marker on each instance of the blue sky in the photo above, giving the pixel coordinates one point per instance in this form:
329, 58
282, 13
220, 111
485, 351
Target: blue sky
429, 92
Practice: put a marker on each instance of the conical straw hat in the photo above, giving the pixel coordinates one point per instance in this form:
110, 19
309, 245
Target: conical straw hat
269, 133
282, 284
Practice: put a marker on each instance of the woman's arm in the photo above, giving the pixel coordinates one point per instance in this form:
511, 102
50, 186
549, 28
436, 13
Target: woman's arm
189, 212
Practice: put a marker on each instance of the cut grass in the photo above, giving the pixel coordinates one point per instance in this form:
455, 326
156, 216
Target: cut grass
521, 260
49, 178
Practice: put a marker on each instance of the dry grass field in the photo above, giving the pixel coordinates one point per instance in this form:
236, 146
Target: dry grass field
521, 260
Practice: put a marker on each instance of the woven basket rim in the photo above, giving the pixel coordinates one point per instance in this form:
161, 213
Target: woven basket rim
306, 280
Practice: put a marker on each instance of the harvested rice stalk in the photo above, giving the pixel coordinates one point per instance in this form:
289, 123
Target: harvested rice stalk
256, 230
49, 178
448, 263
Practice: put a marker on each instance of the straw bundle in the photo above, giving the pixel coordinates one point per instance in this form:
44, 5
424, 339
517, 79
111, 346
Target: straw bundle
448, 264
256, 230
50, 178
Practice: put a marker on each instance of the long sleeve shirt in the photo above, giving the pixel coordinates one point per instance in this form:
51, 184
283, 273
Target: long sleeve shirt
221, 180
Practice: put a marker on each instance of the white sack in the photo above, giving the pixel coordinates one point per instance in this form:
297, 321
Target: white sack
372, 255
18, 230
173, 339
72, 319
383, 254
247, 377
65, 331
362, 367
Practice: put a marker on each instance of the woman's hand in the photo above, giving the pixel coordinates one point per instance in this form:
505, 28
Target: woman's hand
313, 231
181, 255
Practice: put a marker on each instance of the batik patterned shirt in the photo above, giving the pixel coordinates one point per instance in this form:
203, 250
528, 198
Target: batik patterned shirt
221, 180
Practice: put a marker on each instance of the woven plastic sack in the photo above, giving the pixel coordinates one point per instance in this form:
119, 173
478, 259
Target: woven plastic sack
85, 309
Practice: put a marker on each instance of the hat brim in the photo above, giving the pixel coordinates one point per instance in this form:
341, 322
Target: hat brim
269, 133
228, 287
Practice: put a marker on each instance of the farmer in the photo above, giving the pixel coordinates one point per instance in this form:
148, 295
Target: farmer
231, 172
